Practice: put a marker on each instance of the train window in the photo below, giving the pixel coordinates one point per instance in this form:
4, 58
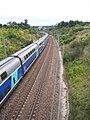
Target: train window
29, 53
40, 43
3, 75
33, 50
26, 55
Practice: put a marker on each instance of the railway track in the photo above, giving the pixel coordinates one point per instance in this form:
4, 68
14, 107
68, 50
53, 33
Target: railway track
37, 95
17, 99
48, 105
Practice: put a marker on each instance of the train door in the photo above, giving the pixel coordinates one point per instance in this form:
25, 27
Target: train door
14, 78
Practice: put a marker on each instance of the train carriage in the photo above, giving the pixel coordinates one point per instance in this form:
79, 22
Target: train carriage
14, 67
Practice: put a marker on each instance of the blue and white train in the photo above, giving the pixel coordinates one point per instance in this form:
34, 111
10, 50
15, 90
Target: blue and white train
14, 67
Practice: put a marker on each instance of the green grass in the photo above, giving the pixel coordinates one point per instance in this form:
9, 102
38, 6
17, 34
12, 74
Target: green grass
79, 89
77, 66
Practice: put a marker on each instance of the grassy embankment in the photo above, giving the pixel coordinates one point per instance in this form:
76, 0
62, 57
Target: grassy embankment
76, 58
16, 38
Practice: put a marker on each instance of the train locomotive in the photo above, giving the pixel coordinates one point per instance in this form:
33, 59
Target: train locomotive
14, 67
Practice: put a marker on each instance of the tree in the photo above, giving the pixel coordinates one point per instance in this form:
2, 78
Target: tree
26, 22
0, 25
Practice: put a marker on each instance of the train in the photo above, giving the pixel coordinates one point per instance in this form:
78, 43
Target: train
14, 67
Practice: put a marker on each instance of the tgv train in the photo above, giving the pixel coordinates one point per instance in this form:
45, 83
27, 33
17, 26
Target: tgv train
14, 67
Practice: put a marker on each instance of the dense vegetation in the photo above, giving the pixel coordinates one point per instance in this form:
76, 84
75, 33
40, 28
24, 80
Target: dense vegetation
75, 44
17, 35
72, 23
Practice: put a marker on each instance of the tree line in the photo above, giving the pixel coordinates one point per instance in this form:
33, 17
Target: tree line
72, 23
14, 24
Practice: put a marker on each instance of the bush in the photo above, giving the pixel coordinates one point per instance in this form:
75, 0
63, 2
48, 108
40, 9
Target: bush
11, 35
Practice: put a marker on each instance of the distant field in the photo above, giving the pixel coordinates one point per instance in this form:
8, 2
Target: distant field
16, 38
75, 45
